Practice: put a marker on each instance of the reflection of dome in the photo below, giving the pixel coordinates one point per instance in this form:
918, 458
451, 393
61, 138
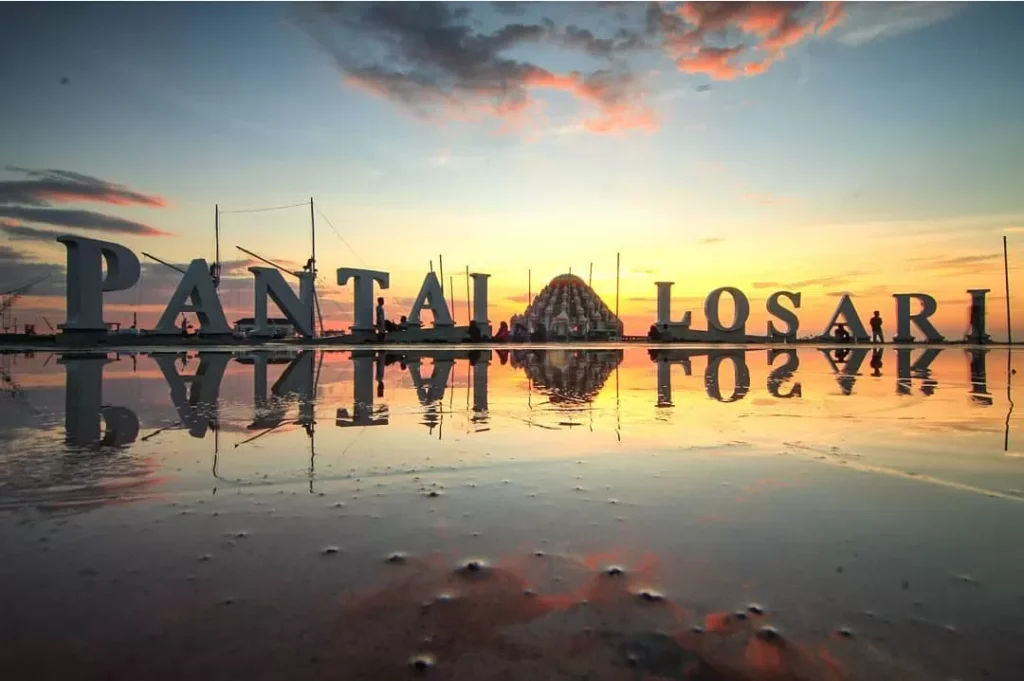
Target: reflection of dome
568, 308
568, 377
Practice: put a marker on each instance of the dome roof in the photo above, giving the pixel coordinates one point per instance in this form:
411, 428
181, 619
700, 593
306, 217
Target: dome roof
566, 280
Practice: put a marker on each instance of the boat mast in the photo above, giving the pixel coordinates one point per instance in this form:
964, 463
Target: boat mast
312, 270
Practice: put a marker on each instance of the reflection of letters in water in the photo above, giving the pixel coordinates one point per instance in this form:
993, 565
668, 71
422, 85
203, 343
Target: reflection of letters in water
906, 371
363, 411
198, 406
781, 374
195, 397
979, 378
83, 410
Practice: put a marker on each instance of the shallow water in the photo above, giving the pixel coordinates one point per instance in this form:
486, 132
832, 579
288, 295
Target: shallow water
694, 513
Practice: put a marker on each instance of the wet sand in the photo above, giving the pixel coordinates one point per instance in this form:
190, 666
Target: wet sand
561, 515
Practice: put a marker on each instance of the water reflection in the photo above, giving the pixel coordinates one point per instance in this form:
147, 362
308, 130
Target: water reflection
630, 492
568, 379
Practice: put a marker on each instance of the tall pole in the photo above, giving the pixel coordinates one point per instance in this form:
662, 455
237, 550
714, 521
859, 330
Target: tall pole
431, 265
440, 266
216, 231
618, 263
312, 266
469, 313
1006, 275
590, 280
451, 287
529, 286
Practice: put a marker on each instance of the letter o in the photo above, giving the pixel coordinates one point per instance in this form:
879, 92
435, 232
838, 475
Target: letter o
739, 300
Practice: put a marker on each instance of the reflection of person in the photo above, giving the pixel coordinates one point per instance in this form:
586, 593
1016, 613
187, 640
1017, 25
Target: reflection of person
380, 320
502, 335
876, 329
876, 361
503, 356
841, 355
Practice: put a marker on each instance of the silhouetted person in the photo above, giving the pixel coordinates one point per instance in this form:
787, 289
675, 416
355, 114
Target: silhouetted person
520, 334
540, 334
184, 325
403, 323
653, 333
842, 335
502, 335
876, 329
380, 320
876, 362
475, 336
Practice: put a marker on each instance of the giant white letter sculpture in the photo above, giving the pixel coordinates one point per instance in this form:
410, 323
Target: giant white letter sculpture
195, 293
480, 301
665, 307
431, 298
849, 313
787, 316
86, 283
299, 310
362, 319
904, 319
742, 311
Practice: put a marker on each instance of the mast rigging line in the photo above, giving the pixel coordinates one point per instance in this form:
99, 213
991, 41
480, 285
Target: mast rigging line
262, 210
343, 240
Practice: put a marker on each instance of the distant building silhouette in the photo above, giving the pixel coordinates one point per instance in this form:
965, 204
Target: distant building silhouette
568, 308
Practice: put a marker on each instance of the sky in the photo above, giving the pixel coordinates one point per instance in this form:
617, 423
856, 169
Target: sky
825, 148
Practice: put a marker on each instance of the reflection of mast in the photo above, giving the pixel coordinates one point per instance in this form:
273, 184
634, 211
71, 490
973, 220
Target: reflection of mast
1009, 397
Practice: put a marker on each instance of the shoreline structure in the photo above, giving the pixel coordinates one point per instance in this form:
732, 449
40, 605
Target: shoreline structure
566, 311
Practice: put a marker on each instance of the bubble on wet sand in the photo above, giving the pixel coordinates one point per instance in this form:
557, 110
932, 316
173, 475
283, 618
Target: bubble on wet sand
433, 494
205, 557
330, 550
422, 663
651, 596
614, 571
755, 609
844, 632
473, 568
397, 558
770, 634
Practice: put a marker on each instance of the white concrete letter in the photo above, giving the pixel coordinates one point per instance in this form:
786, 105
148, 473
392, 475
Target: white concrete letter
86, 283
363, 302
742, 309
665, 305
480, 298
431, 298
977, 316
788, 317
196, 287
848, 312
298, 309
904, 319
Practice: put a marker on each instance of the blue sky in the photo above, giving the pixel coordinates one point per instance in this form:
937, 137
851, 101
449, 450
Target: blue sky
894, 133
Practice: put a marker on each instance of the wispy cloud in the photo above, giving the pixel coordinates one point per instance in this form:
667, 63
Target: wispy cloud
18, 232
711, 240
757, 33
431, 59
64, 186
31, 200
870, 21
79, 219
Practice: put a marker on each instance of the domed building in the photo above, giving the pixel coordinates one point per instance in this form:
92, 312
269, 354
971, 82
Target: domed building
569, 309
